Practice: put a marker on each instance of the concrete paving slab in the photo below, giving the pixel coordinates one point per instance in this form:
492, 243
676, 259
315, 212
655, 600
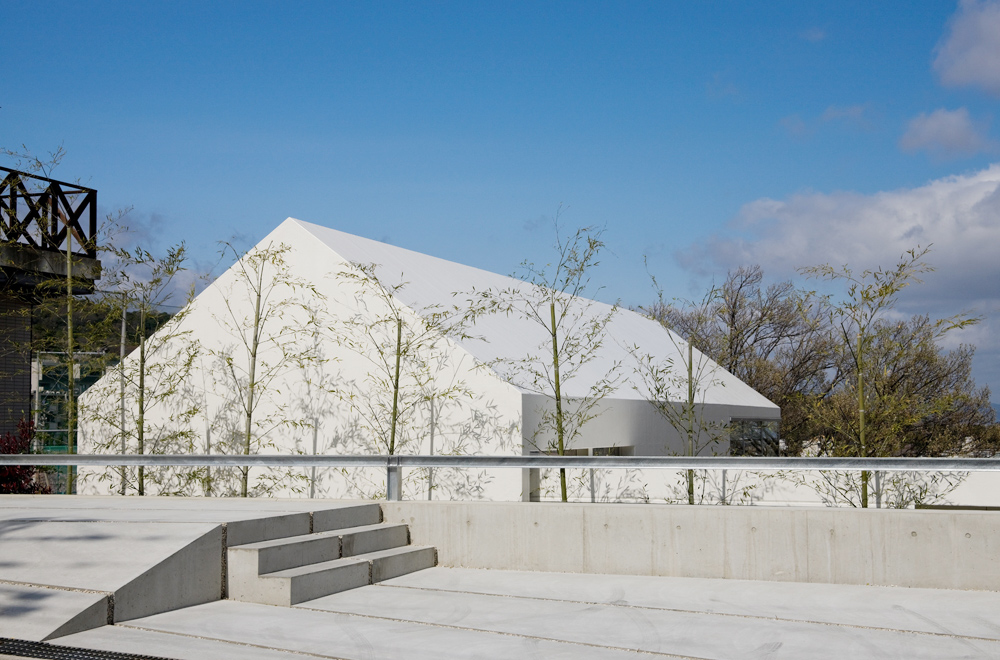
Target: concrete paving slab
644, 629
250, 504
447, 613
242, 527
247, 520
38, 614
135, 515
349, 637
123, 639
95, 556
151, 509
948, 612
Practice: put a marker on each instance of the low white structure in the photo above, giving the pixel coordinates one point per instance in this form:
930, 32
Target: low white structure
326, 339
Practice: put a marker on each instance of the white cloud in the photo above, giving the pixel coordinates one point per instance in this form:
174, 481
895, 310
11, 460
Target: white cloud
814, 35
854, 116
959, 215
795, 126
946, 134
969, 54
719, 87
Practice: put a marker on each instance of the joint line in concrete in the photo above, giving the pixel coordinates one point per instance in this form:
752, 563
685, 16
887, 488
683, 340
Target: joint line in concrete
227, 641
697, 612
658, 654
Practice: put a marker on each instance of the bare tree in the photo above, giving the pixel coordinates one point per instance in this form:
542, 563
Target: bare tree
776, 339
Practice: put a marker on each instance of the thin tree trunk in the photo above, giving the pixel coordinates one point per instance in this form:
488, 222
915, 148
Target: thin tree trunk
121, 403
208, 468
430, 470
140, 428
251, 385
312, 470
395, 389
558, 394
861, 419
690, 420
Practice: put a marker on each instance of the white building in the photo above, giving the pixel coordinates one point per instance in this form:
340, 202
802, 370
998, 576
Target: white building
465, 394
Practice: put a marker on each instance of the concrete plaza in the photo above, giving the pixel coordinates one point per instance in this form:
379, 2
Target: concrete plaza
157, 562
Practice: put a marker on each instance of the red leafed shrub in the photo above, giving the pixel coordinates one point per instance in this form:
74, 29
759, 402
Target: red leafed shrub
19, 478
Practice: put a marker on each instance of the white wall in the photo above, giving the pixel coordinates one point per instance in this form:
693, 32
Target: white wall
936, 549
300, 404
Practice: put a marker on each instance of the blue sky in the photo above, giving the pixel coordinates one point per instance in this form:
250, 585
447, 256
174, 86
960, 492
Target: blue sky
701, 135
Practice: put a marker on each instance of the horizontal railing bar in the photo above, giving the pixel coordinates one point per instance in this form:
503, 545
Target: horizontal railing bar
768, 464
42, 178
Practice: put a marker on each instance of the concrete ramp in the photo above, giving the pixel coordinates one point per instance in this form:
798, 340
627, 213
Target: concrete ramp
190, 576
71, 576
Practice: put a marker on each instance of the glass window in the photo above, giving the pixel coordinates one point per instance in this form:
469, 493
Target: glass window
753, 437
614, 451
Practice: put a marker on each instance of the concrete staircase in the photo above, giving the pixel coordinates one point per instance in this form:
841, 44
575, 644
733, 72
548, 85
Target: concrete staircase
349, 547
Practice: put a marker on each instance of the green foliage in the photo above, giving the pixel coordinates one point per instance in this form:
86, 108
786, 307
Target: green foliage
677, 391
407, 354
552, 298
267, 342
776, 339
891, 370
407, 377
152, 378
852, 377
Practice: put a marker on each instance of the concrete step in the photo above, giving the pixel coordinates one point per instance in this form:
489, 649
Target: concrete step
372, 538
253, 559
294, 585
290, 570
246, 564
303, 583
387, 564
345, 517
312, 582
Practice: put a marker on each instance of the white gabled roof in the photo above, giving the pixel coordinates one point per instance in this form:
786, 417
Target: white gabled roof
432, 281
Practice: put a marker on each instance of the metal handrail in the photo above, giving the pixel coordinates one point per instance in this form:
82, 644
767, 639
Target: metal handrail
766, 464
38, 226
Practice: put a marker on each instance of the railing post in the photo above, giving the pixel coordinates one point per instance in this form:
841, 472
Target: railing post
393, 480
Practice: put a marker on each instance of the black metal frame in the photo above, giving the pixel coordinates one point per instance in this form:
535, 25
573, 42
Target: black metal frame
23, 648
48, 214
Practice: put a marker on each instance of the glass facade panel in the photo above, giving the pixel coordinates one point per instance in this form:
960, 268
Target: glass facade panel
753, 437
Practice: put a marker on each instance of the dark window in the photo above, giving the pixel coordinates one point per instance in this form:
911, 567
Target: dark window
753, 437
614, 451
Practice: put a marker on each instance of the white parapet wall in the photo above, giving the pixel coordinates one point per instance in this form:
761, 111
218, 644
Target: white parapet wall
910, 548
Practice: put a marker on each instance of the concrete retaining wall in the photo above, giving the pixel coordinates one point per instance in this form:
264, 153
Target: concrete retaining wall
938, 549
